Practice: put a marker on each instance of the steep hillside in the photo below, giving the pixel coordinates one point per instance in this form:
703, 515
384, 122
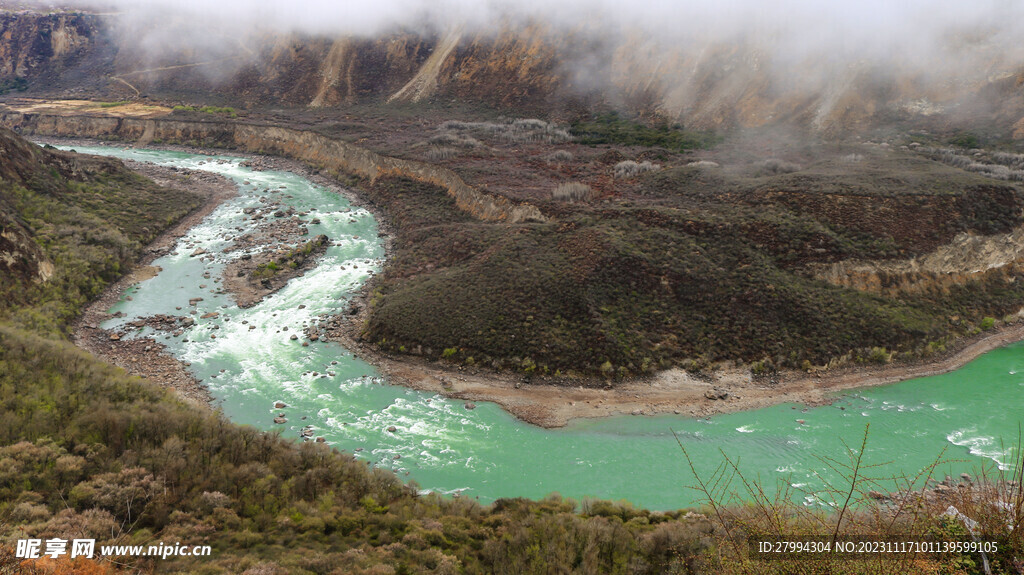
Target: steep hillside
71, 225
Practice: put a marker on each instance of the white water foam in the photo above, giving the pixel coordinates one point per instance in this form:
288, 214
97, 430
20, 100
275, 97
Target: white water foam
981, 445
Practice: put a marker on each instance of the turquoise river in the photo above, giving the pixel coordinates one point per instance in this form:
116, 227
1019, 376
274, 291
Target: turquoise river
485, 453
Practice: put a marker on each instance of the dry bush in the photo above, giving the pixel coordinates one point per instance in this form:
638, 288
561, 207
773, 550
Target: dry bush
573, 192
774, 167
703, 164
853, 158
559, 157
1004, 165
447, 138
1008, 159
631, 169
441, 153
510, 130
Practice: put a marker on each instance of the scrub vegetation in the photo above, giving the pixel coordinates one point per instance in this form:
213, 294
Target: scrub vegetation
611, 128
215, 110
710, 266
88, 451
90, 218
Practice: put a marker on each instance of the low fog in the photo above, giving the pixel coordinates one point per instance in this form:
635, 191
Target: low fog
910, 30
671, 47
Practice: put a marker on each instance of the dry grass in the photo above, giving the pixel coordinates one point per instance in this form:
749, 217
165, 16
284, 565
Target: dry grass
631, 169
862, 506
515, 131
573, 192
454, 139
559, 157
997, 165
441, 153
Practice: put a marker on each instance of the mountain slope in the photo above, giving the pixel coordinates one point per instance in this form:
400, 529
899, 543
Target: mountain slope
71, 225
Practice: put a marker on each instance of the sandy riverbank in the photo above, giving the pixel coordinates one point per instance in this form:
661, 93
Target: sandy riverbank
670, 392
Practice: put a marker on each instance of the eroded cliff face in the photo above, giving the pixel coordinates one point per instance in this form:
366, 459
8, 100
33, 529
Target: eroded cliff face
533, 68
314, 149
41, 48
967, 258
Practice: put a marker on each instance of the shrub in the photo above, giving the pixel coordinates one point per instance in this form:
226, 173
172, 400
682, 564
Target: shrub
442, 153
612, 129
879, 355
446, 138
703, 164
988, 323
774, 167
1000, 165
631, 169
510, 130
17, 84
965, 140
223, 111
573, 192
558, 157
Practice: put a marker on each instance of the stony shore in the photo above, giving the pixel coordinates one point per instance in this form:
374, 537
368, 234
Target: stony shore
145, 357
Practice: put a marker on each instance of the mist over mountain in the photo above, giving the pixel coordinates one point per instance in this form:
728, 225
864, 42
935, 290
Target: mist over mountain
832, 67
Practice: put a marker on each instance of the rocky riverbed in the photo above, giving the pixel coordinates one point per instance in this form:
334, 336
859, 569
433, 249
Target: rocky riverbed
145, 357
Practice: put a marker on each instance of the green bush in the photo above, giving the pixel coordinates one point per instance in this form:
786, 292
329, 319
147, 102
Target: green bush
610, 128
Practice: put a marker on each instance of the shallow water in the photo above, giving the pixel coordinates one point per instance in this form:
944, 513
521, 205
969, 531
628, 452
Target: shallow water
485, 453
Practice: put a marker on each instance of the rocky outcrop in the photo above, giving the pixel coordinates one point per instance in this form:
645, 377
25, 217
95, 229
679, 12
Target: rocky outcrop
313, 149
36, 46
20, 255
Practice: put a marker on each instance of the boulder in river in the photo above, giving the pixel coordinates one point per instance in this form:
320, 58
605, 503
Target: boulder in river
392, 429
470, 405
280, 405
280, 420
